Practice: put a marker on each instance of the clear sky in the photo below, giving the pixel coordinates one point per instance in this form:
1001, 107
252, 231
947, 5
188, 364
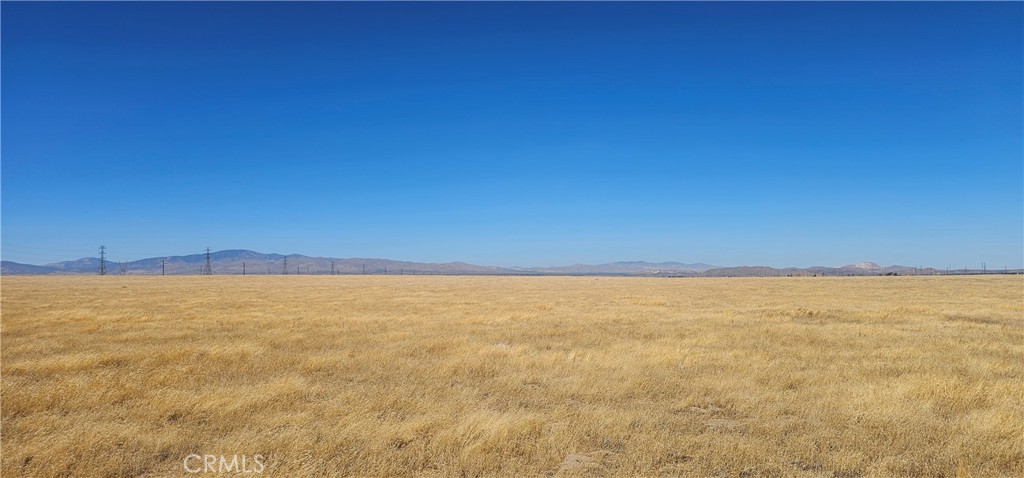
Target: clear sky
790, 134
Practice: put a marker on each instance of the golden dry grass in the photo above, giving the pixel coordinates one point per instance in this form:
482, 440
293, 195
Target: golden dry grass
523, 376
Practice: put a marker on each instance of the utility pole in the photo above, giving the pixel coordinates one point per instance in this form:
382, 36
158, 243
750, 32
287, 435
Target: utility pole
984, 268
103, 260
285, 268
385, 270
243, 268
364, 269
208, 269
332, 268
162, 263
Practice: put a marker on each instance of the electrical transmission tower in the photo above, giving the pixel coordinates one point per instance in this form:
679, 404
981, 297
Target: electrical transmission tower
103, 260
162, 264
207, 269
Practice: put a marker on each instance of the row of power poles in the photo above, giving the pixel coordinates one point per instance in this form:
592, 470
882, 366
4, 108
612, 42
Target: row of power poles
208, 265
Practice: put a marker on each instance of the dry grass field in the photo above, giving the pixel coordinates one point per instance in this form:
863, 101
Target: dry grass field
514, 376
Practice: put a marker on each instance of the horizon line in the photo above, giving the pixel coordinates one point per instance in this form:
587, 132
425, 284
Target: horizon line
848, 265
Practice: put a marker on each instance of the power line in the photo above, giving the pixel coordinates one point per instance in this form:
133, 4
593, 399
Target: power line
36, 248
207, 269
45, 255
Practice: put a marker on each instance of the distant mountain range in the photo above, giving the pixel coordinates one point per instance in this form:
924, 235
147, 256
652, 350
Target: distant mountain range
239, 261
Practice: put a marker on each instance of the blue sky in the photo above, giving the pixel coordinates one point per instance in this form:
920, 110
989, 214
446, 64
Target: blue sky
788, 134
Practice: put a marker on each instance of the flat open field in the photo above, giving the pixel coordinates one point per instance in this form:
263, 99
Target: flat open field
514, 376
